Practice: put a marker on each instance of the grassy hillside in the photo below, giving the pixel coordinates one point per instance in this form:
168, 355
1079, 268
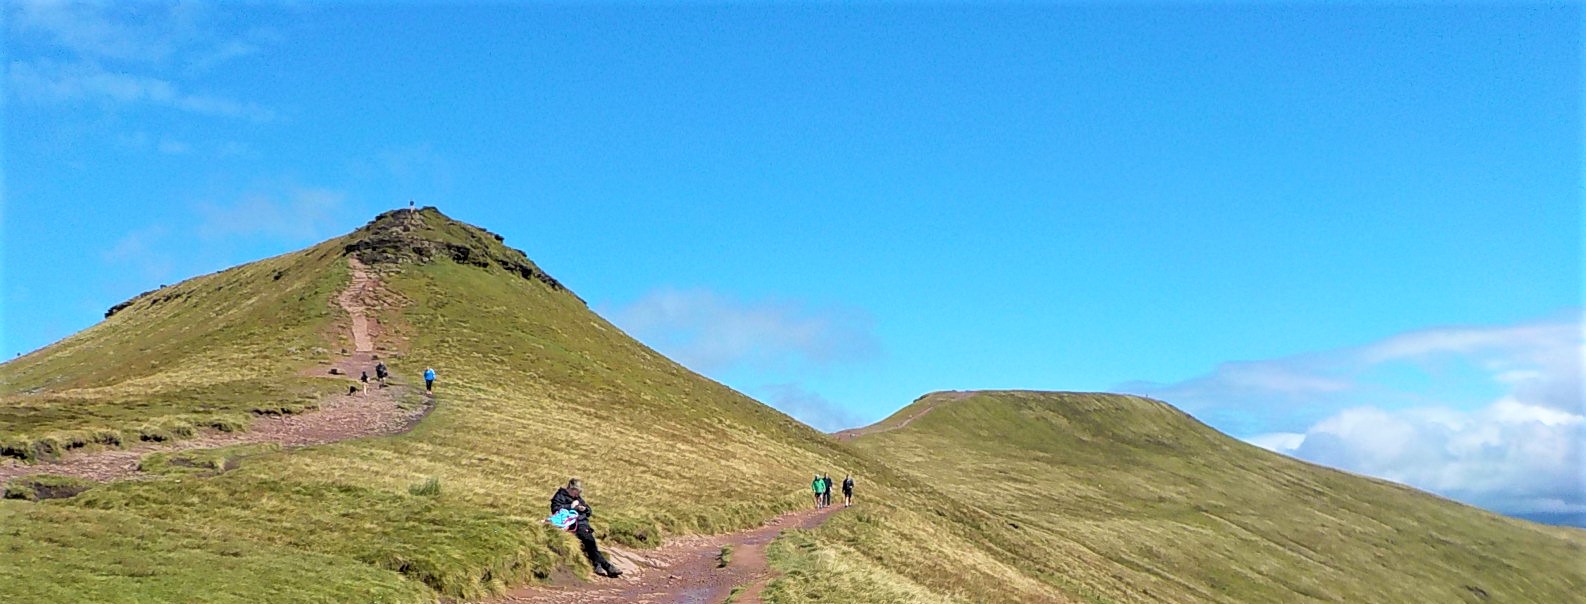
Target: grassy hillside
205, 352
1110, 498
533, 388
997, 498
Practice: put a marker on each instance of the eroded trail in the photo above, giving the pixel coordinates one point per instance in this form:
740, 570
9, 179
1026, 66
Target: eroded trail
882, 426
374, 412
685, 571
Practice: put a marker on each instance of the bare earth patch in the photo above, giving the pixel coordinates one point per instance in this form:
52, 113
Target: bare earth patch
682, 571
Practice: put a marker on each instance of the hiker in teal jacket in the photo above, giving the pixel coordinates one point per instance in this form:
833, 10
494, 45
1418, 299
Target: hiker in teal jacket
819, 486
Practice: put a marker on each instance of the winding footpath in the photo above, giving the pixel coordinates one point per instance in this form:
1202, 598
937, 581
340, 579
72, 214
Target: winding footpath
684, 571
374, 412
883, 426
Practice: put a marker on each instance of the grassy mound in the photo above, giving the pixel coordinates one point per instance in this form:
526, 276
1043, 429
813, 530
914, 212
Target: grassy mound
1108, 498
1001, 497
534, 388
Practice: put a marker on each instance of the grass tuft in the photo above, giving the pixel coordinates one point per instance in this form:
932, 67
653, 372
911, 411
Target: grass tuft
428, 488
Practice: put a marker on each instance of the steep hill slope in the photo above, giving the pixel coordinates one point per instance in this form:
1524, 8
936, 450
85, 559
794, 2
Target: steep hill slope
207, 351
1001, 497
533, 388
1111, 498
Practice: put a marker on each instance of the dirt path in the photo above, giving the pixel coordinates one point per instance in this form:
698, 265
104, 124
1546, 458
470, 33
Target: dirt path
374, 412
353, 300
684, 571
882, 426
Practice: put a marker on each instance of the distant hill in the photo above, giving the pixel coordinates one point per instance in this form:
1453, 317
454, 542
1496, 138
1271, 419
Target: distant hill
965, 497
1114, 498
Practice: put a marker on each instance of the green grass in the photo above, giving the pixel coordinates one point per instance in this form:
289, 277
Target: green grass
45, 486
428, 488
57, 553
1100, 502
1109, 498
226, 344
535, 388
203, 461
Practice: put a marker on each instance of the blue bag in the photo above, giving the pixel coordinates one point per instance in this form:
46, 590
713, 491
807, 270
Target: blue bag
563, 519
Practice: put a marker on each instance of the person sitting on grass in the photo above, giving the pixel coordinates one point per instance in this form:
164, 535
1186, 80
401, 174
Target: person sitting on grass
571, 497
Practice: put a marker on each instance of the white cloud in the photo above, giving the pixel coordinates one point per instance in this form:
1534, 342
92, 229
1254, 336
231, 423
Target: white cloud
44, 82
710, 332
98, 30
1494, 416
123, 54
1279, 442
809, 407
298, 213
1510, 456
140, 250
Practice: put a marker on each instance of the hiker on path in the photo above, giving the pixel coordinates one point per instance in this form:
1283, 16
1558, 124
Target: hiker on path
429, 379
826, 495
571, 497
380, 373
848, 490
819, 487
365, 379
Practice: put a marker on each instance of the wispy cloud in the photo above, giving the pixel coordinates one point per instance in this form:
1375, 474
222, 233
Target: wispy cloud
295, 214
1509, 456
711, 332
1494, 415
111, 54
44, 81
140, 251
809, 407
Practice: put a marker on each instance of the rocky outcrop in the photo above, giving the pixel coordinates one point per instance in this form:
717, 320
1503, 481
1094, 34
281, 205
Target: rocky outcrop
422, 236
150, 297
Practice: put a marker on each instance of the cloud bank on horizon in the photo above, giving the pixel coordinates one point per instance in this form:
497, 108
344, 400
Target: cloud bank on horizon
1494, 416
768, 347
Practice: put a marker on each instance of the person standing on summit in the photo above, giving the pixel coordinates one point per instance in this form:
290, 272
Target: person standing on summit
429, 379
571, 497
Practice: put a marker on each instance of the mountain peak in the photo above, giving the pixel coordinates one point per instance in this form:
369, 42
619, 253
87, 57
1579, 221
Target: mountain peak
422, 235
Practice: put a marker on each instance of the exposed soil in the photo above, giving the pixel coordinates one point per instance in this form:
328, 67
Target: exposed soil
882, 426
371, 412
354, 300
685, 571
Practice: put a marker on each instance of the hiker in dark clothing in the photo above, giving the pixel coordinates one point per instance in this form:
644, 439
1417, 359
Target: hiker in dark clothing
365, 379
848, 490
380, 373
571, 497
826, 497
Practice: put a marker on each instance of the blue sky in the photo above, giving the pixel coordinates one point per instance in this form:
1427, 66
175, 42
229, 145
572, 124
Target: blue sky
1327, 230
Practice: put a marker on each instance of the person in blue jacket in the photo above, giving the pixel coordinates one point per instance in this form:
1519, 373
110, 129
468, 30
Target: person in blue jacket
429, 379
